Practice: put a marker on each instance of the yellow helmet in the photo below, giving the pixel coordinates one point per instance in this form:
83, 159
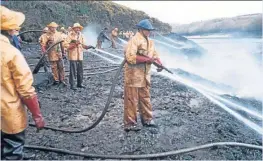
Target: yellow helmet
52, 24
11, 20
77, 25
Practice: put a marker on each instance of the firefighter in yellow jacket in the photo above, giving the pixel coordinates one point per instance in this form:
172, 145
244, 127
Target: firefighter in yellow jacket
113, 37
75, 44
55, 55
16, 91
44, 31
137, 77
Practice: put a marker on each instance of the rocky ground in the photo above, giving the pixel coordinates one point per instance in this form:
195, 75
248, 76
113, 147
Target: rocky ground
185, 118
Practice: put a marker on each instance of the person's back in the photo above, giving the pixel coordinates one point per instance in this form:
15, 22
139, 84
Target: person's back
16, 91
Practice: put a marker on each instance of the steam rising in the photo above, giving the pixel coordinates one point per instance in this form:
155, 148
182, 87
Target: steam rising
228, 61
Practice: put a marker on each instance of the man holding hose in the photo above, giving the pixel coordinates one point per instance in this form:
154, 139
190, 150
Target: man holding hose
75, 45
140, 53
16, 91
55, 55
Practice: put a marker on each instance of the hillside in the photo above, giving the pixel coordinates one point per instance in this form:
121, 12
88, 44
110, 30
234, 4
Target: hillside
99, 13
245, 25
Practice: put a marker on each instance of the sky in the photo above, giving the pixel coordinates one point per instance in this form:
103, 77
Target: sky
183, 12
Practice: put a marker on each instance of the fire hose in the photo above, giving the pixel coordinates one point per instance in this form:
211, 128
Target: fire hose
144, 156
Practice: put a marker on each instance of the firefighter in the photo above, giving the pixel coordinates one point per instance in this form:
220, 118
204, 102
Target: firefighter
69, 30
40, 40
137, 77
55, 55
63, 32
75, 46
16, 91
102, 36
114, 35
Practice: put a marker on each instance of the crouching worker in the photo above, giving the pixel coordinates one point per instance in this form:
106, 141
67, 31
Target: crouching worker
55, 56
16, 91
75, 46
137, 77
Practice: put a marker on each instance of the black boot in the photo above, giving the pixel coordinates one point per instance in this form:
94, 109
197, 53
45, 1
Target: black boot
128, 128
81, 86
149, 123
56, 83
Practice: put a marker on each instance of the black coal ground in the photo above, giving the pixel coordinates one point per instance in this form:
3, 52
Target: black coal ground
185, 118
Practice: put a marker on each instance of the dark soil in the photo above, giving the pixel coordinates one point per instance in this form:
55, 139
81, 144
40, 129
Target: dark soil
185, 118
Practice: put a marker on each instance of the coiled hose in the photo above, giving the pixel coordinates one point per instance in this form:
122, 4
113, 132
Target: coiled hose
114, 82
144, 156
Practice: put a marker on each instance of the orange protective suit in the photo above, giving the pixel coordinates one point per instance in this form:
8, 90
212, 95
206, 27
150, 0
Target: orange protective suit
137, 81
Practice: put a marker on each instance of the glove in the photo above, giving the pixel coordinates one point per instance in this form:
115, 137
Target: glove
143, 59
88, 47
71, 46
33, 105
43, 48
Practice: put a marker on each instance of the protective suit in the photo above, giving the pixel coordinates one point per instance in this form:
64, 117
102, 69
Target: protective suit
75, 44
55, 54
16, 91
40, 40
137, 80
114, 35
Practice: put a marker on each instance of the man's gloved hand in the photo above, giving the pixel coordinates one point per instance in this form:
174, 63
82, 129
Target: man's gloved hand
143, 59
43, 48
33, 106
88, 47
72, 46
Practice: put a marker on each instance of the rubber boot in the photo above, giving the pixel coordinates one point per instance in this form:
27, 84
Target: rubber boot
128, 128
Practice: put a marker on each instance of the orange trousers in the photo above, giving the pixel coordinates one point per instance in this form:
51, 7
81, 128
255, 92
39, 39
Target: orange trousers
58, 70
137, 98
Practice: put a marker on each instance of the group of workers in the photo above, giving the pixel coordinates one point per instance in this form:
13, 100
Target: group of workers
17, 79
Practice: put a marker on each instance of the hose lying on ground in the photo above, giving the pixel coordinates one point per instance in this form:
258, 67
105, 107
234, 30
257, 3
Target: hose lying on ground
144, 156
114, 82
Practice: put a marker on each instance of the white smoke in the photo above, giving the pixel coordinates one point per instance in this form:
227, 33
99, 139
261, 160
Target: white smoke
230, 63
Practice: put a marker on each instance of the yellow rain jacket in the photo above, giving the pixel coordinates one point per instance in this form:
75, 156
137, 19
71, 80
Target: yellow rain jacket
77, 52
16, 83
137, 75
55, 53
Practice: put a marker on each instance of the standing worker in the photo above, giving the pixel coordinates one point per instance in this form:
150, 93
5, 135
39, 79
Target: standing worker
75, 46
137, 77
16, 91
44, 31
102, 36
55, 54
114, 36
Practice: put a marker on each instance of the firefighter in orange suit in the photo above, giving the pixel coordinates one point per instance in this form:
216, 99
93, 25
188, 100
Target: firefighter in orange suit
44, 31
55, 55
137, 77
75, 45
17, 92
113, 37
